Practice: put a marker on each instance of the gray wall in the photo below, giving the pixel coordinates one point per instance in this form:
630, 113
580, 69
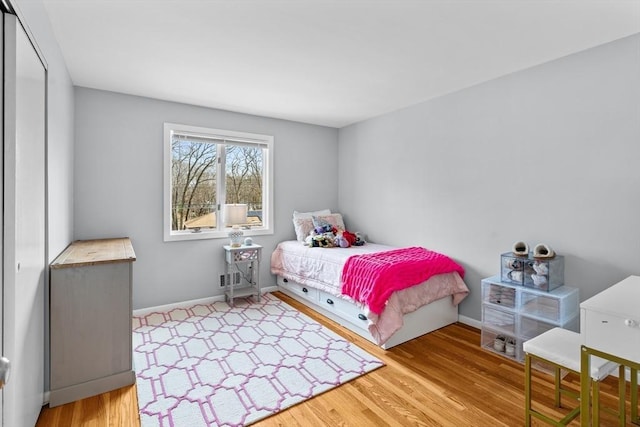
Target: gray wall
546, 155
119, 189
543, 155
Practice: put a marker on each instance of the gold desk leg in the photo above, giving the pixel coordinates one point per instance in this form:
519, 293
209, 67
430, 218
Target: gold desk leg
585, 392
586, 418
634, 396
557, 380
527, 390
622, 398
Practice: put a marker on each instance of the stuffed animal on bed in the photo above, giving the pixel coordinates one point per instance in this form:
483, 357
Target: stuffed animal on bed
345, 239
342, 241
324, 240
327, 235
318, 238
320, 225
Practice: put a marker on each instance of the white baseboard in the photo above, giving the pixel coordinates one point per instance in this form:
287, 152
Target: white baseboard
469, 321
181, 304
189, 303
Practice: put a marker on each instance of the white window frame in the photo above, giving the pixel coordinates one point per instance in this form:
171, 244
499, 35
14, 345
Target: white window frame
231, 136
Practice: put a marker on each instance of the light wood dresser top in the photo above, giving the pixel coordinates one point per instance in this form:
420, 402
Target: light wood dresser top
91, 252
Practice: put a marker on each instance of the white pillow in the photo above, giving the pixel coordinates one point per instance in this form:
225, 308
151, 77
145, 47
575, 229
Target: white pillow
297, 214
303, 226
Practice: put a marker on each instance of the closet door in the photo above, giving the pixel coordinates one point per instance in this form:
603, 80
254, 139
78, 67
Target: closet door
5, 369
24, 261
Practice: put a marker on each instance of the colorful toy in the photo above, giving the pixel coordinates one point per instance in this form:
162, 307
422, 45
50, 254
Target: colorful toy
328, 236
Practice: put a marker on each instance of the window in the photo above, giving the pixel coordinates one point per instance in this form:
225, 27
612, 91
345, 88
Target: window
215, 179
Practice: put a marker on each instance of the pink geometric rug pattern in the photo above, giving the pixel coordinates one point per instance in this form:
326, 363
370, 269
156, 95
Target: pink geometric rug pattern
216, 365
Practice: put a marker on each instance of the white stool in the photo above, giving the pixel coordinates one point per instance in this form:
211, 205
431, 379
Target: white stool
561, 349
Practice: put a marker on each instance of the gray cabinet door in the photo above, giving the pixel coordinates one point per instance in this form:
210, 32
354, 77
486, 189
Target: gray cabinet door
90, 323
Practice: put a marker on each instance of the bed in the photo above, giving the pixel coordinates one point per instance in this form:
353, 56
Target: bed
314, 276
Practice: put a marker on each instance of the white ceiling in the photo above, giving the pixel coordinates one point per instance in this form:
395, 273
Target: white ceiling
327, 62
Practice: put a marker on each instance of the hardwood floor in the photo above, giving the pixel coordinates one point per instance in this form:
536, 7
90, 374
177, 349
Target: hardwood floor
441, 379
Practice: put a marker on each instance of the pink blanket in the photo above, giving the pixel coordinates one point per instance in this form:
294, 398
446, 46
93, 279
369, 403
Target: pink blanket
372, 278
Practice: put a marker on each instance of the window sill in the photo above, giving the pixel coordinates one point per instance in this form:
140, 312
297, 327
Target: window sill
213, 234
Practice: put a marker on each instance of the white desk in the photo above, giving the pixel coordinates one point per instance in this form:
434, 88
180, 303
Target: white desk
610, 323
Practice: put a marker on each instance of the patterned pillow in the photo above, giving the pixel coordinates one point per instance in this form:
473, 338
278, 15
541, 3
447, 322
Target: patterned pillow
303, 226
297, 214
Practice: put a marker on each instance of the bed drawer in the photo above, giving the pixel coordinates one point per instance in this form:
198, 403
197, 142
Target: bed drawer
298, 289
343, 308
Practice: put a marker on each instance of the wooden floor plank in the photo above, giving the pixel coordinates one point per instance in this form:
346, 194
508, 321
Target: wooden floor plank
440, 379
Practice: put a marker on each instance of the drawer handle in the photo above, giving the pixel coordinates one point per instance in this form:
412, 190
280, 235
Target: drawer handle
362, 316
285, 280
329, 301
629, 322
305, 290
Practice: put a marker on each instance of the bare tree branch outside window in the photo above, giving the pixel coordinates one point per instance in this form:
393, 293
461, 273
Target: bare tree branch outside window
193, 180
194, 171
244, 176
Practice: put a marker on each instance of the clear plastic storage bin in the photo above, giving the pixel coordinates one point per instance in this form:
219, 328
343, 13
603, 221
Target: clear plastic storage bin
556, 306
531, 327
516, 270
499, 295
517, 313
501, 343
497, 319
545, 274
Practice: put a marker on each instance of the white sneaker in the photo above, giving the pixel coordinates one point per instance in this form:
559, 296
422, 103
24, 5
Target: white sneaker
514, 264
541, 268
510, 347
515, 276
539, 280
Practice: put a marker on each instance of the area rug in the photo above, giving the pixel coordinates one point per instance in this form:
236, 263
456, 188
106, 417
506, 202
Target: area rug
216, 365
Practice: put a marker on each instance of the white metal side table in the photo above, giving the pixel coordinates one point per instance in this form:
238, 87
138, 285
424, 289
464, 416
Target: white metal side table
242, 272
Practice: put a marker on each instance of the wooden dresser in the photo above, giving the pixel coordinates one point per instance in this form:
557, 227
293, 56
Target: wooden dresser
91, 309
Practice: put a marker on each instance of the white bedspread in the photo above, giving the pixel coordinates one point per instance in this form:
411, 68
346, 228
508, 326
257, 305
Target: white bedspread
322, 268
